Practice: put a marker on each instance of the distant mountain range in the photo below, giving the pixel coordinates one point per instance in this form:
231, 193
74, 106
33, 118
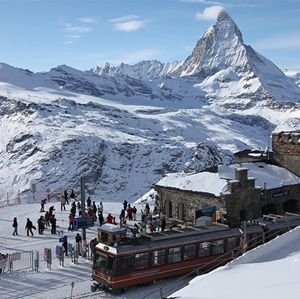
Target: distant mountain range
124, 127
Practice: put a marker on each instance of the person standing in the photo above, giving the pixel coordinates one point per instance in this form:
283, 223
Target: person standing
101, 218
79, 208
65, 245
71, 222
66, 196
78, 240
93, 244
41, 225
47, 218
88, 202
109, 218
134, 210
53, 224
125, 204
73, 196
100, 208
15, 226
43, 202
29, 227
62, 203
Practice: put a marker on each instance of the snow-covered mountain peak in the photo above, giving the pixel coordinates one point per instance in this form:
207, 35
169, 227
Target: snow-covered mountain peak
220, 47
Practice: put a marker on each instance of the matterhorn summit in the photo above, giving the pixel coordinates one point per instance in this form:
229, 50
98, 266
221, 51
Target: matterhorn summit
220, 47
236, 71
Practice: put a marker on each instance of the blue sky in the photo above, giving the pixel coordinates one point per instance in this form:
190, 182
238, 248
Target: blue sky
42, 34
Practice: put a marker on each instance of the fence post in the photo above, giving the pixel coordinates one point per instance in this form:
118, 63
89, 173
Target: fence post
161, 293
60, 254
48, 257
36, 261
10, 262
19, 197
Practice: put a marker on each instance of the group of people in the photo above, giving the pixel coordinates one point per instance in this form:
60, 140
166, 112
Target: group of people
42, 222
147, 224
78, 242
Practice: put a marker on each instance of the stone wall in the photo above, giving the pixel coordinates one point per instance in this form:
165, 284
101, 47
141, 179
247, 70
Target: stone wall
286, 149
188, 199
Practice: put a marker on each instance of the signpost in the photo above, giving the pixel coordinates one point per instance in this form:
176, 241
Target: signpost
83, 222
205, 213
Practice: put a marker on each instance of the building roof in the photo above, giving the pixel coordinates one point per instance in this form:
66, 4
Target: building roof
215, 183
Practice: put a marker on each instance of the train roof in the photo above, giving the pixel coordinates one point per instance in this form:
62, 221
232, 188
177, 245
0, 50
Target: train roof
176, 236
272, 221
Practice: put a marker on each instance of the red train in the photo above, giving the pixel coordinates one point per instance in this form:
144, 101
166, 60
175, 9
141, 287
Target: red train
120, 262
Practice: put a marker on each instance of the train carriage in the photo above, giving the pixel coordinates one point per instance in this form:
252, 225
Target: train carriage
120, 262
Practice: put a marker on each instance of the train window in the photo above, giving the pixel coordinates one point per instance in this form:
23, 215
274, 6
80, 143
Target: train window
218, 246
141, 260
204, 249
232, 243
123, 264
158, 257
189, 252
174, 255
254, 239
103, 262
100, 260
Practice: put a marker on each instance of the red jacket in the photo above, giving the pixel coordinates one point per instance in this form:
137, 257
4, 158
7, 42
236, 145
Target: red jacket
109, 218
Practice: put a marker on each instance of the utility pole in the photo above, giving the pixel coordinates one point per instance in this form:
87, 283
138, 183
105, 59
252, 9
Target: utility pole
82, 183
245, 245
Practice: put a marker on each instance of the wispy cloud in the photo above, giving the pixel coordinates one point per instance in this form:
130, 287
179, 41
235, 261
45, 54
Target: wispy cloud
75, 31
88, 20
209, 13
80, 29
128, 23
124, 19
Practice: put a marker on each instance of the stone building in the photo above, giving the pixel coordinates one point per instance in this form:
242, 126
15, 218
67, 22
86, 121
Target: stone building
286, 149
240, 191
